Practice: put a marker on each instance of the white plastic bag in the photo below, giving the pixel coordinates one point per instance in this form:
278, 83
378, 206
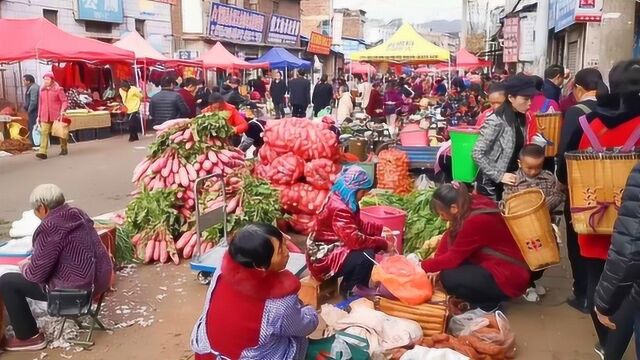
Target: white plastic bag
423, 182
424, 353
465, 324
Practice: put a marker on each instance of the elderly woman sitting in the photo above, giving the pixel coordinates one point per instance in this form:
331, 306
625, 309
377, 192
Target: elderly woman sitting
67, 254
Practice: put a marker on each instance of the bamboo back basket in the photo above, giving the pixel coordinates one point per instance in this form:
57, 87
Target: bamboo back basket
432, 316
527, 216
596, 182
550, 126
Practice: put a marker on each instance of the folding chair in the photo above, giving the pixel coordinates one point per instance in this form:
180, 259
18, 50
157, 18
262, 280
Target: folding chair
76, 314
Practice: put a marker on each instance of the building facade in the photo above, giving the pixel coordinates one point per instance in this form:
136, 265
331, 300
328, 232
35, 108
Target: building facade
198, 24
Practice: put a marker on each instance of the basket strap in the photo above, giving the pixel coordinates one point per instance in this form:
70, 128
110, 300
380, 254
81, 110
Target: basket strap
590, 134
631, 142
499, 255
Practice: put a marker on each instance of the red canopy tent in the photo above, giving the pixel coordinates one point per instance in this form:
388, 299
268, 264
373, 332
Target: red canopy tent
145, 53
27, 39
465, 59
220, 58
360, 68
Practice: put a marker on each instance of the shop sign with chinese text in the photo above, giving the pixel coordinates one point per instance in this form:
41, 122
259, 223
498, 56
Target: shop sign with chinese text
283, 30
235, 23
319, 44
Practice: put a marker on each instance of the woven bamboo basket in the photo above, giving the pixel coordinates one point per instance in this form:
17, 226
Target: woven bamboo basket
550, 126
596, 183
431, 316
527, 216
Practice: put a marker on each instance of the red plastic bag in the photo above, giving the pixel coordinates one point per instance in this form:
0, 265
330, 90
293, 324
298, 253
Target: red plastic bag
404, 279
303, 224
321, 173
286, 169
302, 199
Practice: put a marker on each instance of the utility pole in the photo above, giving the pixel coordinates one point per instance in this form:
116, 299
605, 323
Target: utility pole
616, 32
465, 24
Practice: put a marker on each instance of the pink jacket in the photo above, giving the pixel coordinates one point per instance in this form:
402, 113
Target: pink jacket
52, 102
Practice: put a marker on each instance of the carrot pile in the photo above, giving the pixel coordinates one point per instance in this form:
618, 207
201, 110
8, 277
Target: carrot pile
393, 171
301, 158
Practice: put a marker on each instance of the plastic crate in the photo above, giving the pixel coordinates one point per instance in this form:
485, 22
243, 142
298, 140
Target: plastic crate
86, 135
424, 157
103, 133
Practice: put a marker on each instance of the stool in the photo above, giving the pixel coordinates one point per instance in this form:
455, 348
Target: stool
315, 293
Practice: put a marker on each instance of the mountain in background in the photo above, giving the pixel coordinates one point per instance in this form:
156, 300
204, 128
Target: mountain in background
442, 26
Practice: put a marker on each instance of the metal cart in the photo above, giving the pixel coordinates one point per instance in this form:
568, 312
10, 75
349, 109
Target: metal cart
207, 263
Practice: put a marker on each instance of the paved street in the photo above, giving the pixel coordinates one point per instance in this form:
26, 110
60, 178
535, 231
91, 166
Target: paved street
167, 299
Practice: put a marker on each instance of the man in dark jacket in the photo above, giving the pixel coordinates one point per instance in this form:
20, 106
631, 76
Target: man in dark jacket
620, 280
167, 104
299, 95
322, 95
553, 80
587, 83
277, 91
231, 94
31, 95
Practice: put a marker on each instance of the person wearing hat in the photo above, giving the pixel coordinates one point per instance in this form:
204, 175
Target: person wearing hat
51, 106
615, 121
502, 136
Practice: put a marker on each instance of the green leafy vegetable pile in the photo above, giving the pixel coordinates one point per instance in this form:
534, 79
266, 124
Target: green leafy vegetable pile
422, 224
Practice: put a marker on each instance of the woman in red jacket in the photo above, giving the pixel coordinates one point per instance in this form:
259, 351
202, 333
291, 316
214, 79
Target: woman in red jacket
51, 106
343, 245
235, 120
477, 260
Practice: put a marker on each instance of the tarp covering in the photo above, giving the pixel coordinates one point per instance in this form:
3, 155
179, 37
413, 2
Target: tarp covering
143, 50
219, 57
405, 46
465, 59
279, 58
146, 53
26, 39
360, 68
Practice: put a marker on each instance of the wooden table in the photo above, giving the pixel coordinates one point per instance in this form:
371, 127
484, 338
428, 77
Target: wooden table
92, 120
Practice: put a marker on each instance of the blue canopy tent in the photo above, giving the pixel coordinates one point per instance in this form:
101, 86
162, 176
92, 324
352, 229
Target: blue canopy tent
279, 58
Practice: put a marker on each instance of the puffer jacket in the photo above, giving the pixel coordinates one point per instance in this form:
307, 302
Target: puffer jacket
167, 105
621, 275
339, 231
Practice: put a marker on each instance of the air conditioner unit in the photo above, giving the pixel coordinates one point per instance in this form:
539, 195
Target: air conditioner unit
253, 2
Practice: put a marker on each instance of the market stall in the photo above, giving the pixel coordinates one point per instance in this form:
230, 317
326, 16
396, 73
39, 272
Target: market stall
466, 60
40, 40
218, 57
281, 59
406, 46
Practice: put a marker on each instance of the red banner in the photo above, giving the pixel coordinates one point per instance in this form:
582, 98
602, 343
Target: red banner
319, 44
511, 37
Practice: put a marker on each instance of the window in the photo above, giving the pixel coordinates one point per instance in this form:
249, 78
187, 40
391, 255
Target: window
325, 27
98, 27
276, 6
140, 27
51, 15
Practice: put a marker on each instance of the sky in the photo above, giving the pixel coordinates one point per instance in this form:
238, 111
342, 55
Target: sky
414, 11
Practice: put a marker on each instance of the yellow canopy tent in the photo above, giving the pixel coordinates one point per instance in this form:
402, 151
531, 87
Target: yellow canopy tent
405, 46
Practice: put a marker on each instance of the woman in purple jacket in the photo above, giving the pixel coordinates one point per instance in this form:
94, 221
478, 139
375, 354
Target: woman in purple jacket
67, 254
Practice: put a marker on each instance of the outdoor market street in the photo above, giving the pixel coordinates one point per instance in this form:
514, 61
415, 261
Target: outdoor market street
168, 299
